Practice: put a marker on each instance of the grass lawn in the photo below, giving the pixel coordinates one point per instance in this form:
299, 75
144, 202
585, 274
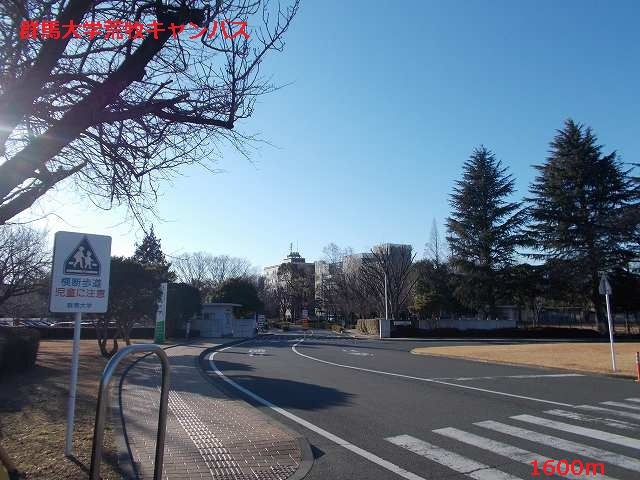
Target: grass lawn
33, 414
584, 357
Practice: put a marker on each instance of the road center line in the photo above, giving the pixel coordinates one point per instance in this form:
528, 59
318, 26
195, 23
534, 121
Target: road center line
429, 380
320, 431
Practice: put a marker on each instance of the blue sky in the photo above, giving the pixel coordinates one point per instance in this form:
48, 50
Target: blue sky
382, 107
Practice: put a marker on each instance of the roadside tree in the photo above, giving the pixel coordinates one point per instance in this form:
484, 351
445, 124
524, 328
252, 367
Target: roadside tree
585, 211
134, 292
484, 230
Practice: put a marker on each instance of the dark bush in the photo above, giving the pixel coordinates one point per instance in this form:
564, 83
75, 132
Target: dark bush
18, 349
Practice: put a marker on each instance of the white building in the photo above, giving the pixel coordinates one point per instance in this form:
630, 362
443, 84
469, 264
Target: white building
218, 320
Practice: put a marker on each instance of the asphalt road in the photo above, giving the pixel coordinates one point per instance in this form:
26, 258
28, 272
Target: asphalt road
371, 410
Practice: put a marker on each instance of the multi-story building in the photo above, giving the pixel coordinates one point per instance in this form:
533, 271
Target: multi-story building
296, 260
295, 298
321, 276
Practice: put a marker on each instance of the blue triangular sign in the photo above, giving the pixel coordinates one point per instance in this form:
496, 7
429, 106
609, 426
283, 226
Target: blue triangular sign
82, 261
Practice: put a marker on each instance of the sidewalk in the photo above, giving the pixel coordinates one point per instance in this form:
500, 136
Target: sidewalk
209, 435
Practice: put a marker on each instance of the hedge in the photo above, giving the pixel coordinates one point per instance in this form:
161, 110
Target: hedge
368, 326
18, 349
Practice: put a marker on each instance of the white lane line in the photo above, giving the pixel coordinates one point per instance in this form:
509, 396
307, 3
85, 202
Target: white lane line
499, 377
633, 400
314, 428
585, 432
566, 445
621, 405
429, 380
619, 413
581, 417
470, 468
514, 453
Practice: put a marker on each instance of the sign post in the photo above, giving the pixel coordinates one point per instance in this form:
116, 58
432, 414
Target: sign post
605, 289
161, 315
79, 283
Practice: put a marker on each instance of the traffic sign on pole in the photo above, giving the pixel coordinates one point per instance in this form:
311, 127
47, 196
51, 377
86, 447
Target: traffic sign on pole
606, 290
79, 283
80, 274
605, 286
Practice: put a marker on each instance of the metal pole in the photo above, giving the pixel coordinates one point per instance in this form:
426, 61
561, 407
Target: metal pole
103, 401
386, 302
386, 307
613, 350
71, 404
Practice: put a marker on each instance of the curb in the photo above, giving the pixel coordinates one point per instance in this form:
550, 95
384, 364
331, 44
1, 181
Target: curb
307, 458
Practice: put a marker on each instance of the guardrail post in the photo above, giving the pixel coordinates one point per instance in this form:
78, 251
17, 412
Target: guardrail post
103, 402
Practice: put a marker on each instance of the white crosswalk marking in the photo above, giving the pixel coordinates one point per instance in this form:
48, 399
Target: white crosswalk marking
499, 448
585, 432
622, 405
565, 445
458, 463
581, 417
619, 413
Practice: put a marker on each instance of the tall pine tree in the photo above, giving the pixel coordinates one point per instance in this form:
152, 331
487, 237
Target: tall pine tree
149, 251
484, 231
149, 254
584, 210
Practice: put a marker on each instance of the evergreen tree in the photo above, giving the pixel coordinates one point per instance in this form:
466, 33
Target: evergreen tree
149, 254
484, 230
433, 292
149, 251
584, 210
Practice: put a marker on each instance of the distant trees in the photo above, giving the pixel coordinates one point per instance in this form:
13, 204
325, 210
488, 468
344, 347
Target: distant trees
584, 210
334, 294
433, 293
25, 261
242, 291
484, 230
390, 264
207, 272
293, 289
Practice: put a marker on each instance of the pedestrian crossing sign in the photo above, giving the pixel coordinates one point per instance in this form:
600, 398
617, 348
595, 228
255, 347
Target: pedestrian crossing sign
80, 273
82, 260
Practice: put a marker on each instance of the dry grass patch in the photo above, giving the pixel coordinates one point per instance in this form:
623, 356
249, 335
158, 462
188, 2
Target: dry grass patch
33, 414
584, 357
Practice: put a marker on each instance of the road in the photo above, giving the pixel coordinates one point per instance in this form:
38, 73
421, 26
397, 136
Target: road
371, 410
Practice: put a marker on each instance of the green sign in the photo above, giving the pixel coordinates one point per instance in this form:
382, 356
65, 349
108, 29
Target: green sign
161, 313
